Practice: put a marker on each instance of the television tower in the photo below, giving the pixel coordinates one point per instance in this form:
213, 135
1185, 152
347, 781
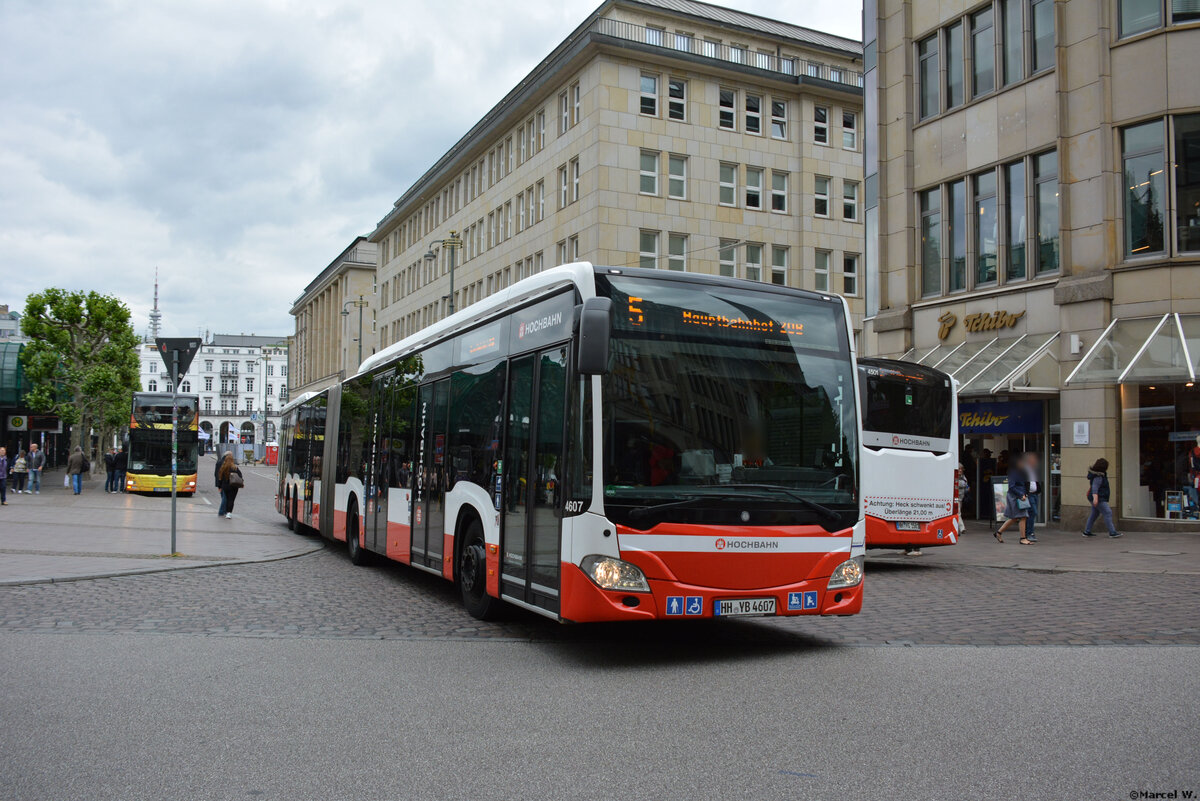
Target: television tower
155, 314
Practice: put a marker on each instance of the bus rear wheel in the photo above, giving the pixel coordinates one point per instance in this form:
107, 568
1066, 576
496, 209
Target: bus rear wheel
358, 554
472, 575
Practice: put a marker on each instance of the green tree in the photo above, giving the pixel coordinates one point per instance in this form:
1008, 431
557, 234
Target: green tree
82, 362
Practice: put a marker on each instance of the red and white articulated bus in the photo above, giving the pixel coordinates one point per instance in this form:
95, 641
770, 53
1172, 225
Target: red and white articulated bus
597, 443
910, 454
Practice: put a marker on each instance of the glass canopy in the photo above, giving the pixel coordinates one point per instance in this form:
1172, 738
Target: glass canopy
1143, 349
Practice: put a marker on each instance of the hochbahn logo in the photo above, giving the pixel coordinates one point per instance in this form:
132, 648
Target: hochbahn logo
746, 545
917, 441
539, 324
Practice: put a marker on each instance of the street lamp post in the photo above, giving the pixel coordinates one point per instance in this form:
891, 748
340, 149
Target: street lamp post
359, 303
451, 243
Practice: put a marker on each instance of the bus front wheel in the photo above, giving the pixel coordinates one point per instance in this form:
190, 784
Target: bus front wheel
291, 515
472, 575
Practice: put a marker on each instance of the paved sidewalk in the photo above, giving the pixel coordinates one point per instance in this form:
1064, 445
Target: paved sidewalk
58, 536
1058, 550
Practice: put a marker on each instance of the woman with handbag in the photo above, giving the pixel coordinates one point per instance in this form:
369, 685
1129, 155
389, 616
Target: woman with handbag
1016, 503
229, 480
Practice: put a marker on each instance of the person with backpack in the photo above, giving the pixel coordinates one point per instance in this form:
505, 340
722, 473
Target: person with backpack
229, 480
77, 465
1098, 494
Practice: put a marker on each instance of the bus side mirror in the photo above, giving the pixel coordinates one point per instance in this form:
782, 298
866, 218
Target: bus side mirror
595, 330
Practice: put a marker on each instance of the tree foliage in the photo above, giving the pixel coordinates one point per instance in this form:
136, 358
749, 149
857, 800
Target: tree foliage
82, 362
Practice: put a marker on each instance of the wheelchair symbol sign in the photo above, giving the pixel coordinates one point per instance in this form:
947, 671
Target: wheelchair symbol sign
695, 605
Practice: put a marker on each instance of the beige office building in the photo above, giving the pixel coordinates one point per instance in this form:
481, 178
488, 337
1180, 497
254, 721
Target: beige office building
328, 315
1033, 227
663, 133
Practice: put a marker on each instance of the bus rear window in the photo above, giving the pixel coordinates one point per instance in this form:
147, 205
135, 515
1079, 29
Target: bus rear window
905, 403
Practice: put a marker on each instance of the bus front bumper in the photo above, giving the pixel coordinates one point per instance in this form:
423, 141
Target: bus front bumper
141, 482
585, 602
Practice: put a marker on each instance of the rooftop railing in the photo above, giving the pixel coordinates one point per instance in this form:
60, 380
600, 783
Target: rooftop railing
794, 66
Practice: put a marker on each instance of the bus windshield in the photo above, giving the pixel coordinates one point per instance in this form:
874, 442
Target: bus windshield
731, 399
150, 451
905, 406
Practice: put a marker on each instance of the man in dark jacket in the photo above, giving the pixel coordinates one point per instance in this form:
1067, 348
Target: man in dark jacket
75, 469
3, 476
110, 470
122, 465
1097, 495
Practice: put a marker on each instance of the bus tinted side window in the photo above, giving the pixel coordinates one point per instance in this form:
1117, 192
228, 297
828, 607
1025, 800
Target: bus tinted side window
476, 404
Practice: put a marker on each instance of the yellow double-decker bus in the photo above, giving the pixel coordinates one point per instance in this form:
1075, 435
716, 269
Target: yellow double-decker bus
149, 468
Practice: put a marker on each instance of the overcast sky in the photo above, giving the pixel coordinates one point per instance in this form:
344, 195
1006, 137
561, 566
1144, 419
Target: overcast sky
240, 146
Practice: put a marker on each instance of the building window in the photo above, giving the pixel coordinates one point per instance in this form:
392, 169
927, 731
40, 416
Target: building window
927, 77
270, 390
208, 365
677, 177
1143, 148
677, 99
850, 201
541, 200
779, 265
955, 82
249, 384
1012, 37
931, 245
208, 404
1045, 209
727, 258
983, 53
562, 187
654, 36
779, 185
1138, 16
648, 249
564, 113
541, 130
677, 252
1187, 184
185, 387
561, 252
648, 176
821, 196
522, 153
529, 199
683, 41
850, 274
649, 100
576, 104
754, 177
821, 125
728, 186
152, 385
520, 212
753, 114
849, 130
821, 270
1041, 23
985, 228
208, 384
1014, 220
956, 200
754, 262
537, 261
574, 179
726, 115
779, 119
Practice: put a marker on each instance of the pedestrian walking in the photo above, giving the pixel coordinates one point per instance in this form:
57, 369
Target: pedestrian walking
1016, 503
3, 476
229, 480
1035, 494
122, 466
1098, 494
36, 462
110, 470
19, 471
77, 464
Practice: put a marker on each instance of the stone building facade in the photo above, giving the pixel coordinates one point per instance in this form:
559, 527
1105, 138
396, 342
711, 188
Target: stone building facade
1033, 228
662, 133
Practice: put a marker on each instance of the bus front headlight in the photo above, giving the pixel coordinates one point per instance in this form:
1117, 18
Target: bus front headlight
614, 574
847, 574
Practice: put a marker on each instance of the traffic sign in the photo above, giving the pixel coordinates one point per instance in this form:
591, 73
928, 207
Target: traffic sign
185, 347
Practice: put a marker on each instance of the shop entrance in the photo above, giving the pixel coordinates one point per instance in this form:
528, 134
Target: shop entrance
992, 433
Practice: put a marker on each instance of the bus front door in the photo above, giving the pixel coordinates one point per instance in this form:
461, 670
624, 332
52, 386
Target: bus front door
381, 463
532, 467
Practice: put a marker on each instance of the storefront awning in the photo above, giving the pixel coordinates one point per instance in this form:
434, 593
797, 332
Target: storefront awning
1014, 364
1139, 349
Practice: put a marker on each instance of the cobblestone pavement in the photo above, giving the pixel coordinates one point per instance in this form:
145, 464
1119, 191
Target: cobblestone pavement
323, 595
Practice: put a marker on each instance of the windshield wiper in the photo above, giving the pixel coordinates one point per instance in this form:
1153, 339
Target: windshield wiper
696, 500
820, 509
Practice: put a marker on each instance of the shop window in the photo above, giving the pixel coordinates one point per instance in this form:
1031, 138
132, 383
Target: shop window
1160, 451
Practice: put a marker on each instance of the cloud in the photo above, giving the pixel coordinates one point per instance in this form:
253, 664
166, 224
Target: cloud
238, 146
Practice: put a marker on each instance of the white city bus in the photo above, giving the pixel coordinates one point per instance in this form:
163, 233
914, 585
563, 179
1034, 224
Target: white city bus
596, 443
910, 454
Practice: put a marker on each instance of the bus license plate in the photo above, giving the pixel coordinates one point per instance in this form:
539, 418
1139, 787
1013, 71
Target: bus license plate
744, 606
908, 525
162, 489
